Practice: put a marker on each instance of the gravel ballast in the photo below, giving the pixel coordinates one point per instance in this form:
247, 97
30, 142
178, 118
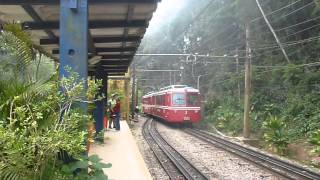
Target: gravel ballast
213, 161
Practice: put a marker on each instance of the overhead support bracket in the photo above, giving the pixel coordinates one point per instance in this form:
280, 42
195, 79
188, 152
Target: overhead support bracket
72, 4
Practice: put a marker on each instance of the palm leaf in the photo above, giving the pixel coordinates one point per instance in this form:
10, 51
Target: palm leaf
7, 173
16, 48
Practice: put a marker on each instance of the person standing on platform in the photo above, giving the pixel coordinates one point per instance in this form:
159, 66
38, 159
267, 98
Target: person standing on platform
111, 105
136, 114
116, 111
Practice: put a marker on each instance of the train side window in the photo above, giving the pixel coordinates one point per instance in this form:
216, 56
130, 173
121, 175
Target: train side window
193, 100
179, 99
158, 100
162, 100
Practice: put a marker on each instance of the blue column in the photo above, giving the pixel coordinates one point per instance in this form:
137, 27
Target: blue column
74, 39
100, 104
105, 87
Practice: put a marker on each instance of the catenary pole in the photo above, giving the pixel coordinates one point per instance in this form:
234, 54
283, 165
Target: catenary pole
247, 90
237, 68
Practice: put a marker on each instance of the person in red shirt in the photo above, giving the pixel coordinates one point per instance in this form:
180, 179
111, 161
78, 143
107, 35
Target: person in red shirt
116, 111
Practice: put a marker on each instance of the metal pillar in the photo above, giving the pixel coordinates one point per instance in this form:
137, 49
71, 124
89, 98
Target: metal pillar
133, 90
105, 87
74, 40
137, 94
100, 104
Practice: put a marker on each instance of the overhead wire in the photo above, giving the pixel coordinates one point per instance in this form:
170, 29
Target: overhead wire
275, 11
297, 32
278, 10
292, 12
216, 13
270, 70
303, 30
257, 28
193, 20
290, 43
297, 24
287, 44
210, 39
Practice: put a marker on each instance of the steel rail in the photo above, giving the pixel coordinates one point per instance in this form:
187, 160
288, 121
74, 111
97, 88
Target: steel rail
186, 167
182, 164
165, 162
276, 165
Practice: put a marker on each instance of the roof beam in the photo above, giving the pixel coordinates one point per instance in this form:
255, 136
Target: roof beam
57, 2
113, 66
116, 74
111, 70
95, 40
118, 62
97, 24
34, 15
92, 73
116, 56
91, 46
99, 50
129, 19
125, 49
125, 78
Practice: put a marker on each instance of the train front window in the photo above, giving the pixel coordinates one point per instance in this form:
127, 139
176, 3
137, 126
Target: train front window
193, 100
179, 99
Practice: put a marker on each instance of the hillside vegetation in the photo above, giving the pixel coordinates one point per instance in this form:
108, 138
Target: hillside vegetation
285, 100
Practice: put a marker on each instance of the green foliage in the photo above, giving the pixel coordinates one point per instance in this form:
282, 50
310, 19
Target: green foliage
17, 44
41, 124
34, 130
275, 134
315, 140
225, 117
88, 168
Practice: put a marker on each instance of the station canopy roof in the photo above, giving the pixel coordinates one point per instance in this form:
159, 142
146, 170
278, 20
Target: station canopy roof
116, 28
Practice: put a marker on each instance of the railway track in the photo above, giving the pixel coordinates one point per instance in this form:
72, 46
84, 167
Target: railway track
175, 165
275, 165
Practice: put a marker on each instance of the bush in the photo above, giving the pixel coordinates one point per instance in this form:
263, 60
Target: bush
275, 134
226, 117
315, 140
41, 123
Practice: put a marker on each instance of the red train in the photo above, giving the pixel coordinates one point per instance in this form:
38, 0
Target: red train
175, 104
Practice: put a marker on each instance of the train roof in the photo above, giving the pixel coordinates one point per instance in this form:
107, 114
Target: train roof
172, 88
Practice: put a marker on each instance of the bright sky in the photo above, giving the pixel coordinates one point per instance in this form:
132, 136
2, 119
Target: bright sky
166, 11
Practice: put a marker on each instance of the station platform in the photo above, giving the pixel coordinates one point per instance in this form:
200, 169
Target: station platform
120, 149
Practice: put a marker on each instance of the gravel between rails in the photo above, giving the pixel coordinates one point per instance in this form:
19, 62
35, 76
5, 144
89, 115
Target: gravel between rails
153, 165
214, 162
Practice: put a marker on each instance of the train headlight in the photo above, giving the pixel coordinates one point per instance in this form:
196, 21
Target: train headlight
195, 111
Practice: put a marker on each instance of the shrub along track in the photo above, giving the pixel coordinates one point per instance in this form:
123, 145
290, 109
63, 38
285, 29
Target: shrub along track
175, 165
275, 165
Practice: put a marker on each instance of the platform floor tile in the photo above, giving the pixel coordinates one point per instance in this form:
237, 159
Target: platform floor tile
121, 150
